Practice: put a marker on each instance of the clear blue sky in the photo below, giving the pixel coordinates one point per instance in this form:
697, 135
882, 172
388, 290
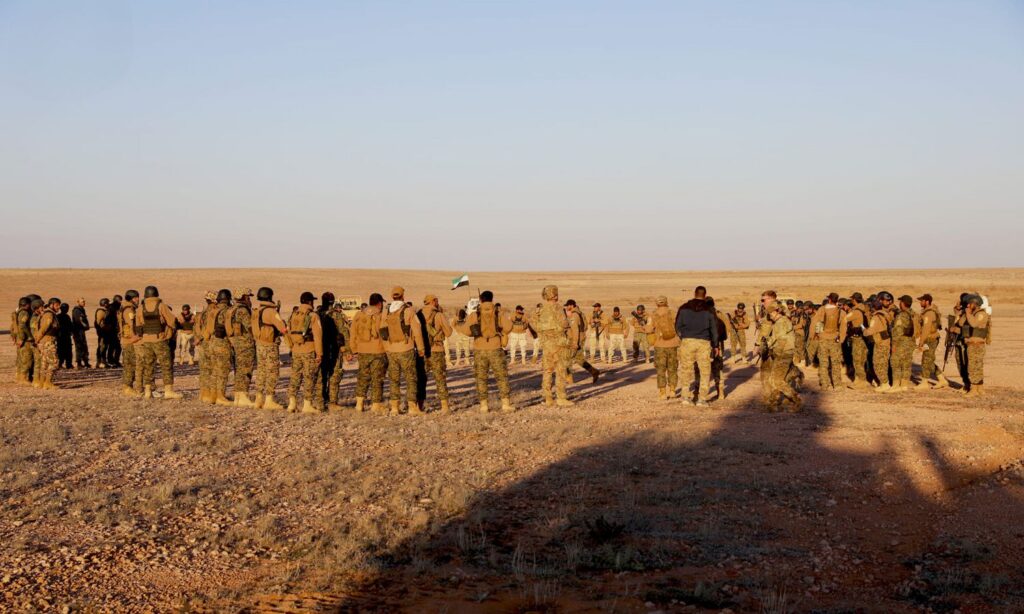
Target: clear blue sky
512, 135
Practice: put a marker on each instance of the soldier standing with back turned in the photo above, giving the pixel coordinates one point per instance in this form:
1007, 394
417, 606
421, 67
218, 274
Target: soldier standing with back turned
488, 326
553, 331
80, 324
243, 346
307, 351
24, 342
438, 331
267, 330
156, 323
666, 348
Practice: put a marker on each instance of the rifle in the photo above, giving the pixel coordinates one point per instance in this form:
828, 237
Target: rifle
952, 340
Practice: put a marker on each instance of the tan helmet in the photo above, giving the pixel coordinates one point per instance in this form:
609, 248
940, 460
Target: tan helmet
428, 299
549, 293
661, 300
238, 293
210, 296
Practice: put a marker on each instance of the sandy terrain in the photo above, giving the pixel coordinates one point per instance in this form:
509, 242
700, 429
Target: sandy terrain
624, 503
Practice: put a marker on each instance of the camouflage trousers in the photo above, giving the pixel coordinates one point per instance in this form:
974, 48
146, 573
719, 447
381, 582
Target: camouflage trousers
486, 362
859, 355
976, 363
778, 379
131, 375
616, 342
205, 367
148, 354
218, 353
553, 365
370, 377
812, 351
243, 348
268, 368
37, 363
929, 370
24, 359
306, 375
800, 347
331, 371
902, 358
666, 364
438, 367
696, 352
881, 361
738, 341
48, 361
402, 366
830, 363
641, 344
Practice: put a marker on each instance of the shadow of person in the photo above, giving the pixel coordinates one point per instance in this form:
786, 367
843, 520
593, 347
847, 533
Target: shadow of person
754, 512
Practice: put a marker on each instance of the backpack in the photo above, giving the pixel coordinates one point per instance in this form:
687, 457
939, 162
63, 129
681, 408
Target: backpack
664, 324
362, 329
398, 328
489, 325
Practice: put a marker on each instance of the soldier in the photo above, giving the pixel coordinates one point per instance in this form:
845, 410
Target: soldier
79, 325
403, 341
798, 318
718, 358
46, 333
267, 328
217, 348
928, 343
852, 329
641, 340
825, 328
238, 322
307, 352
156, 322
438, 330
553, 331
185, 336
780, 347
975, 329
64, 335
24, 341
577, 332
881, 342
488, 327
762, 331
461, 342
811, 352
114, 324
740, 323
368, 347
697, 329
597, 340
904, 331
517, 337
200, 332
537, 342
666, 348
103, 332
617, 330
128, 341
336, 327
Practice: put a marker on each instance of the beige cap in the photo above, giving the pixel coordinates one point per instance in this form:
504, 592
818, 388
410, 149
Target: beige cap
240, 292
661, 300
428, 299
397, 291
210, 296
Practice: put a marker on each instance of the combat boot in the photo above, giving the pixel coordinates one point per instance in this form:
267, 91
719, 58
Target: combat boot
207, 396
269, 402
884, 389
594, 373
662, 394
37, 381
445, 409
414, 409
292, 404
128, 391
307, 407
242, 399
378, 408
976, 390
483, 407
942, 382
169, 393
923, 385
220, 399
147, 392
48, 383
507, 406
333, 407
258, 403
359, 404
395, 408
548, 399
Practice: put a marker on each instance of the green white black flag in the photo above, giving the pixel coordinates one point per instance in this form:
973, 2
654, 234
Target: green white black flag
458, 282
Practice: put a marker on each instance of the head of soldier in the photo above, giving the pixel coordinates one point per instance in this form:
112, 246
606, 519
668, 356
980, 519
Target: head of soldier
54, 304
265, 294
117, 298
519, 310
24, 302
37, 305
224, 296
186, 309
307, 298
80, 302
616, 312
462, 314
973, 303
925, 300
906, 302
570, 305
740, 307
768, 296
832, 298
151, 292
431, 301
243, 295
885, 298
486, 296
398, 293
661, 301
640, 309
709, 302
597, 307
64, 308
132, 296
327, 300
550, 294
376, 302
700, 292
104, 302
857, 298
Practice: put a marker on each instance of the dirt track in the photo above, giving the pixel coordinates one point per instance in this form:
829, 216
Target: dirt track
624, 503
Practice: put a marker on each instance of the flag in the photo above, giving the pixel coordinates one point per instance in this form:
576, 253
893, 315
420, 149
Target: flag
458, 282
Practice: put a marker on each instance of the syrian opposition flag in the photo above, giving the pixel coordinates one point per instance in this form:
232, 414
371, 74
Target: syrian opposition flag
458, 282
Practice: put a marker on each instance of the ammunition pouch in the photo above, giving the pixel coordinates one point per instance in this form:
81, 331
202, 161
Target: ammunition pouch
384, 333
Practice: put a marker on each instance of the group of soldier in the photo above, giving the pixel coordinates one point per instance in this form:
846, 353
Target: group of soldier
871, 342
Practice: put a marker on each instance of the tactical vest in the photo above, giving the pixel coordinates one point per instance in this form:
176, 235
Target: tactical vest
905, 323
259, 321
126, 320
519, 324
233, 327
937, 318
974, 332
100, 318
301, 333
886, 333
830, 321
363, 329
188, 323
617, 326
398, 329
488, 324
548, 324
220, 326
51, 329
435, 334
152, 323
21, 324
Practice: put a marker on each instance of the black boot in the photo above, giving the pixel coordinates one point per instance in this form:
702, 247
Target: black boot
594, 373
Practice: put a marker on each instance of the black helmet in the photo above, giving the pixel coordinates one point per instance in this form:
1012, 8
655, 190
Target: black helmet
224, 296
641, 308
24, 302
740, 306
974, 299
104, 302
264, 294
33, 297
884, 296
131, 294
151, 292
327, 299
56, 301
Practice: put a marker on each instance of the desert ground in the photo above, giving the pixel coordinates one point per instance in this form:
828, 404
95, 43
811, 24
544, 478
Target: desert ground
861, 503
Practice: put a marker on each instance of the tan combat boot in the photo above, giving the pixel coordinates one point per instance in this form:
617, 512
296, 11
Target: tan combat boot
414, 409
292, 403
483, 407
222, 400
169, 393
208, 396
48, 383
269, 402
445, 409
662, 394
883, 388
147, 392
258, 403
378, 408
923, 385
128, 391
37, 381
242, 399
359, 404
976, 390
307, 407
333, 407
942, 383
564, 403
395, 409
506, 406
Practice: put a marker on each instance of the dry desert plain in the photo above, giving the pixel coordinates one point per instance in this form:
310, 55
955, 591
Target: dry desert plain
624, 503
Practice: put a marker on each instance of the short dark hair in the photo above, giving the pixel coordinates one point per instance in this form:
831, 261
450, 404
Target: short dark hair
486, 296
570, 302
519, 308
770, 294
700, 292
833, 298
376, 299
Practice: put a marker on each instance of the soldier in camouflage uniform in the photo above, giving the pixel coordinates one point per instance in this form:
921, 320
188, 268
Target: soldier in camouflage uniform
45, 335
552, 329
21, 335
852, 329
798, 318
129, 340
780, 341
666, 348
243, 346
101, 323
762, 331
366, 344
306, 340
928, 343
881, 336
488, 326
438, 331
975, 328
207, 393
217, 348
904, 331
403, 341
157, 323
267, 328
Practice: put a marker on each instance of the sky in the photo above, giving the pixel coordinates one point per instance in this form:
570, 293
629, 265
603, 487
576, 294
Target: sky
483, 136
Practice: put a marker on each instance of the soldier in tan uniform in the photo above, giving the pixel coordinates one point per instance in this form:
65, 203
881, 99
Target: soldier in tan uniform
199, 335
519, 335
617, 331
577, 335
975, 327
307, 345
131, 376
267, 329
662, 325
825, 328
488, 326
438, 331
217, 347
367, 345
45, 336
740, 323
243, 347
403, 341
553, 330
781, 342
461, 343
185, 347
157, 323
597, 338
928, 343
641, 339
852, 328
24, 341
880, 332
